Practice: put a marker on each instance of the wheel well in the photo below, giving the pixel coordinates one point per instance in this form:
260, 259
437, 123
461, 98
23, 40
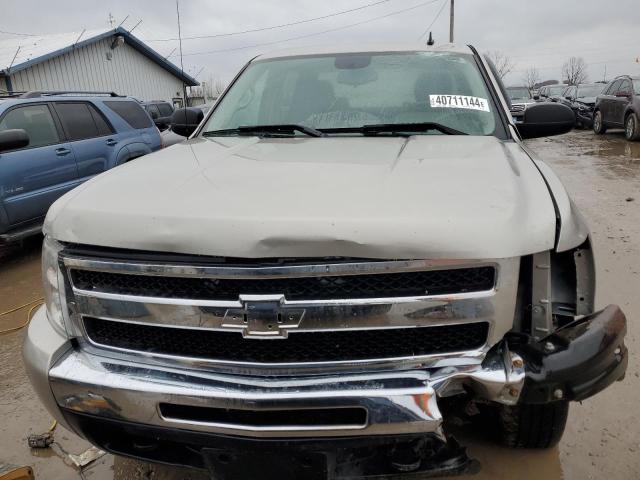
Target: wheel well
626, 115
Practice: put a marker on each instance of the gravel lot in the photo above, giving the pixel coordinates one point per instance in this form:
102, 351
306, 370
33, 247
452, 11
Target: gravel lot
603, 176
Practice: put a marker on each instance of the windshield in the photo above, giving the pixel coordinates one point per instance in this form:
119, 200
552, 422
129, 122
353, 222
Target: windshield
556, 90
518, 93
353, 90
590, 90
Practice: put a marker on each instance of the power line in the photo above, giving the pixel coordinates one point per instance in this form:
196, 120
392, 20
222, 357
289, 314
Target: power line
434, 20
244, 47
273, 27
18, 34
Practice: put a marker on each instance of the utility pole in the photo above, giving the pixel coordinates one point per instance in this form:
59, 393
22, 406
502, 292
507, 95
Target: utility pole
451, 15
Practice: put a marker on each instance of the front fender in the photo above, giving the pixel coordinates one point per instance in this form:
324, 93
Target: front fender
572, 229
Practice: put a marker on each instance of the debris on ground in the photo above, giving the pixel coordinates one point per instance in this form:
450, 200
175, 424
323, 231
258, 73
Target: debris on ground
11, 472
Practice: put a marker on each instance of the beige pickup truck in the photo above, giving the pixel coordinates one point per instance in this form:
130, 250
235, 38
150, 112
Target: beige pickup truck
352, 247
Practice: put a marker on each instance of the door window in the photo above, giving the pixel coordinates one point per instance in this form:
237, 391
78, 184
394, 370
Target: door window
625, 86
104, 128
36, 120
614, 87
165, 109
132, 113
153, 111
79, 121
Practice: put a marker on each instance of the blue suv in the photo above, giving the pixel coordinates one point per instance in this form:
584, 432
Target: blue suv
52, 142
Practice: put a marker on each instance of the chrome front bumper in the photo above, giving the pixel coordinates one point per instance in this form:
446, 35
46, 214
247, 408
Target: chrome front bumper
395, 403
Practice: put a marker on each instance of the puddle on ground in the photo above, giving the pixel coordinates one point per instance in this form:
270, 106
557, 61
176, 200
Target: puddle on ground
611, 154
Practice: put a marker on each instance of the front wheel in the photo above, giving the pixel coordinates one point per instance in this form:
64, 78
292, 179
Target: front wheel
631, 127
532, 425
598, 123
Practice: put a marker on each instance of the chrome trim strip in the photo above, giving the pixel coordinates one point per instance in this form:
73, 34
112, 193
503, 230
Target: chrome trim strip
271, 428
298, 303
267, 272
453, 359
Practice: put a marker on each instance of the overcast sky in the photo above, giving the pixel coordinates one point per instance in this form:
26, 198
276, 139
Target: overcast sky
541, 33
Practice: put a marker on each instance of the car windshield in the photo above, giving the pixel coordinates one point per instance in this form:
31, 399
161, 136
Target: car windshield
518, 93
349, 91
590, 90
557, 89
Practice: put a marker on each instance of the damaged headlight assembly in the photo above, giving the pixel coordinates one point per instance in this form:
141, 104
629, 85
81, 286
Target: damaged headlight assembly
53, 284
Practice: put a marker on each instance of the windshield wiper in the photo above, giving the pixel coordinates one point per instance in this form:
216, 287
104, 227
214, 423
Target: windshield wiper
285, 129
396, 128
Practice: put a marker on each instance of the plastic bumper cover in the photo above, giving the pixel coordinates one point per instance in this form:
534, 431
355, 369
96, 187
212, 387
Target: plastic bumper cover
576, 361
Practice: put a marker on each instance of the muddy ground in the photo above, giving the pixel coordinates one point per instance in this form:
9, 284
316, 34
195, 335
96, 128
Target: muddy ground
603, 434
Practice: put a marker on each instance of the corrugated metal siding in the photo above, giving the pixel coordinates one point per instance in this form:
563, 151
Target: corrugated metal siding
3, 85
87, 68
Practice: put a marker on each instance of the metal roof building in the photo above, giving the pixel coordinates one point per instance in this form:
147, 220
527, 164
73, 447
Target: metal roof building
106, 60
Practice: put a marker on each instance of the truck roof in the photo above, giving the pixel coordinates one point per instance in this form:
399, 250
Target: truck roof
364, 48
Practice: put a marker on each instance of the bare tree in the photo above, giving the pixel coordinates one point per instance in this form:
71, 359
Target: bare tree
504, 65
218, 87
531, 77
574, 71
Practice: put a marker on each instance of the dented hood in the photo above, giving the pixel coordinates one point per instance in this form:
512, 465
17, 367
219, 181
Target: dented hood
430, 196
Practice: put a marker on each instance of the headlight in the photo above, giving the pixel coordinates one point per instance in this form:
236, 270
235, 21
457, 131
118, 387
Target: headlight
53, 283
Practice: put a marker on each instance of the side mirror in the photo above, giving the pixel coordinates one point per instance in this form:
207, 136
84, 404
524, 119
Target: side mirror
184, 121
545, 120
12, 139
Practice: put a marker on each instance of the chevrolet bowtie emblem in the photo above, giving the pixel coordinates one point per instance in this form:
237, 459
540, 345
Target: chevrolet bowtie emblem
263, 316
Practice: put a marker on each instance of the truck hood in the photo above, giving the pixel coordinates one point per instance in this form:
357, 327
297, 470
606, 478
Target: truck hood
394, 198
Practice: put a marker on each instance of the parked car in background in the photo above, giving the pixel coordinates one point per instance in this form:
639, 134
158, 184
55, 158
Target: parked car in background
552, 93
519, 98
618, 106
322, 272
160, 112
51, 143
582, 99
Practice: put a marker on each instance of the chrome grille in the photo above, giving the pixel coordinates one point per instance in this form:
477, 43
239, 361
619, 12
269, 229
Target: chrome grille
274, 319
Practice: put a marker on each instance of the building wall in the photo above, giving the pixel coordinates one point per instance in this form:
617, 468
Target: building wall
87, 68
3, 85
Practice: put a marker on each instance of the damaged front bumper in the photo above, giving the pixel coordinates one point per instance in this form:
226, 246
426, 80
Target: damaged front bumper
576, 361
333, 426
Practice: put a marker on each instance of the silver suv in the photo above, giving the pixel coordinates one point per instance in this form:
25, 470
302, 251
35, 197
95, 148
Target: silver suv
351, 242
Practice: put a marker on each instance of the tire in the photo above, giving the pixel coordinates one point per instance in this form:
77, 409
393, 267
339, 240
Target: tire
632, 127
532, 426
598, 123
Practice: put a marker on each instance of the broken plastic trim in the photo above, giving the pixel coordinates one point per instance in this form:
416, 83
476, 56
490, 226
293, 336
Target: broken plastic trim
576, 361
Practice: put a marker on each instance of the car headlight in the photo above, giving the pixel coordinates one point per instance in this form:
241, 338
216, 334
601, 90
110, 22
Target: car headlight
53, 284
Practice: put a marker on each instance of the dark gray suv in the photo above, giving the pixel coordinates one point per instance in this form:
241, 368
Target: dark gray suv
618, 106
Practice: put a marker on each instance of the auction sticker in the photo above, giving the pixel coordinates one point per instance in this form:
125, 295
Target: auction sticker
459, 101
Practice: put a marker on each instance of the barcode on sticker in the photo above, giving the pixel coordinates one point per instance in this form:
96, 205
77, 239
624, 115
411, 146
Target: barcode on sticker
459, 101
